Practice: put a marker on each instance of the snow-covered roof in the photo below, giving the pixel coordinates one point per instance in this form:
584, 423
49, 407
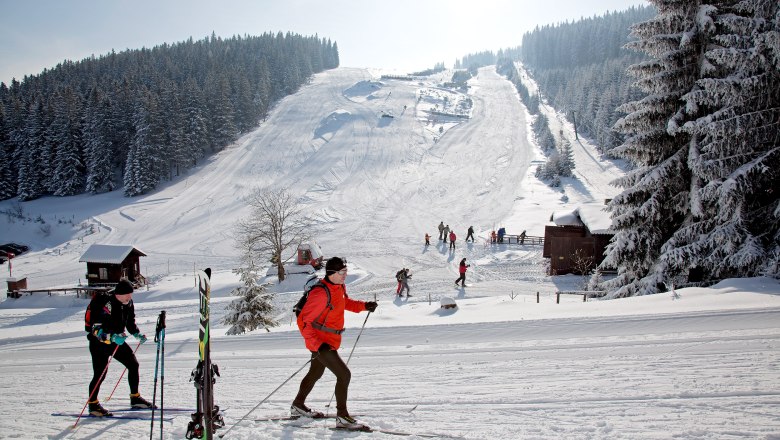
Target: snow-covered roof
108, 253
594, 217
566, 218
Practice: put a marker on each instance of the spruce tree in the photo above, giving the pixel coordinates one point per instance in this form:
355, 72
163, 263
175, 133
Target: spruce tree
253, 308
734, 153
97, 146
7, 176
655, 202
30, 158
195, 132
69, 168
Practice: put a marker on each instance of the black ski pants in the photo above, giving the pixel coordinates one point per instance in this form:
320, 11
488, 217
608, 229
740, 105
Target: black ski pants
100, 354
331, 360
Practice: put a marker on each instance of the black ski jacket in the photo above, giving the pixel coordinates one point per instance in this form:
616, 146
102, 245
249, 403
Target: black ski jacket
107, 313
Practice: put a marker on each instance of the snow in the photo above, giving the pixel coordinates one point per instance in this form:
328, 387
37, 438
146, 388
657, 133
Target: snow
690, 364
103, 253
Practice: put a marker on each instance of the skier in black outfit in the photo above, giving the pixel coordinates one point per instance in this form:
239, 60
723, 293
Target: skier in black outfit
470, 234
107, 318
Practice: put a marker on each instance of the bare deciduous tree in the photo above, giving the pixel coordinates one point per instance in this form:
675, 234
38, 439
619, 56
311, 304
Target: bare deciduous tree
276, 224
583, 263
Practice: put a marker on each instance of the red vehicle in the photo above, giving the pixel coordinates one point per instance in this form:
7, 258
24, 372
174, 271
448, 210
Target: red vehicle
310, 253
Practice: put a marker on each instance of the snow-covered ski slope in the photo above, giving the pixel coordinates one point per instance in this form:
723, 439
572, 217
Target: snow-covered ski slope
701, 364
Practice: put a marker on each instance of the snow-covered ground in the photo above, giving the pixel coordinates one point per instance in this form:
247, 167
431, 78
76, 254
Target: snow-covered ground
700, 363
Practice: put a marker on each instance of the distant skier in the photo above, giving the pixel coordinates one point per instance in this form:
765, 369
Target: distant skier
446, 233
321, 323
462, 269
470, 234
427, 239
452, 239
493, 236
501, 233
106, 319
441, 230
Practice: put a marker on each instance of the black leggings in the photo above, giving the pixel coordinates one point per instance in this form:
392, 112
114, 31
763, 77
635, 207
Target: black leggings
100, 354
334, 363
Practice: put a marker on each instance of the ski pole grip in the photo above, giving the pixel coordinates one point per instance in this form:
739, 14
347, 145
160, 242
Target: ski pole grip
160, 325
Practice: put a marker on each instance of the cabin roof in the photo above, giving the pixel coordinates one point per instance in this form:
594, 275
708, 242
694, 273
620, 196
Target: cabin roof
594, 217
108, 253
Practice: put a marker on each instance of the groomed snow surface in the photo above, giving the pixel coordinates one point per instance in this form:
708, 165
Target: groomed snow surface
693, 364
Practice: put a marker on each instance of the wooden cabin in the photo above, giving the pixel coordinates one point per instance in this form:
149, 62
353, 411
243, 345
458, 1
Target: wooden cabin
107, 264
578, 236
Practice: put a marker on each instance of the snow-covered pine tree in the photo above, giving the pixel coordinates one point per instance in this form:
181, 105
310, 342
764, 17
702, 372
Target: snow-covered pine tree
223, 129
143, 167
566, 163
7, 178
68, 166
172, 130
544, 136
734, 151
97, 145
655, 201
196, 135
253, 308
29, 156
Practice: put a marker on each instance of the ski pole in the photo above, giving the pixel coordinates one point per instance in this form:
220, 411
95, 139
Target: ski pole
159, 338
96, 386
352, 351
162, 384
266, 398
121, 376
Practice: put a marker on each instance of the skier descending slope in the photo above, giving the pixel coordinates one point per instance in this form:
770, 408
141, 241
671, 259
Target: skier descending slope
321, 323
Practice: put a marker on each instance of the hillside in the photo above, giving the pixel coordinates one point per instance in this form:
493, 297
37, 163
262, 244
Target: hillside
372, 183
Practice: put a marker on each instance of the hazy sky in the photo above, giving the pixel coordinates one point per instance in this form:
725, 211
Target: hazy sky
394, 34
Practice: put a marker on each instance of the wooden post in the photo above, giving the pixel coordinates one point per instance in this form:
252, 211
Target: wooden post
557, 297
537, 297
584, 297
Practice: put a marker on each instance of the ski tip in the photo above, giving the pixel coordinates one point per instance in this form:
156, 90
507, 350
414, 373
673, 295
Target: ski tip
208, 272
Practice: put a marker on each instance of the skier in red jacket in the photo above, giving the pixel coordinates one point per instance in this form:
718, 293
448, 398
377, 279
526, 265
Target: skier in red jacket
321, 327
462, 267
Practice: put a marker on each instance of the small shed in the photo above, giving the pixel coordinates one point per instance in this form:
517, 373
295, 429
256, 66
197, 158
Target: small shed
310, 253
15, 285
582, 233
107, 264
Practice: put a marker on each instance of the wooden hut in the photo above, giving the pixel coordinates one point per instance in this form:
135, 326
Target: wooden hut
107, 264
579, 236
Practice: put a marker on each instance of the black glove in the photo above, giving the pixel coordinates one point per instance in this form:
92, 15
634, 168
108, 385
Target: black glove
371, 306
324, 347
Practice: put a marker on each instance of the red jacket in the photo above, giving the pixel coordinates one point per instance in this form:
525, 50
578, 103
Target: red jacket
462, 268
452, 236
316, 308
